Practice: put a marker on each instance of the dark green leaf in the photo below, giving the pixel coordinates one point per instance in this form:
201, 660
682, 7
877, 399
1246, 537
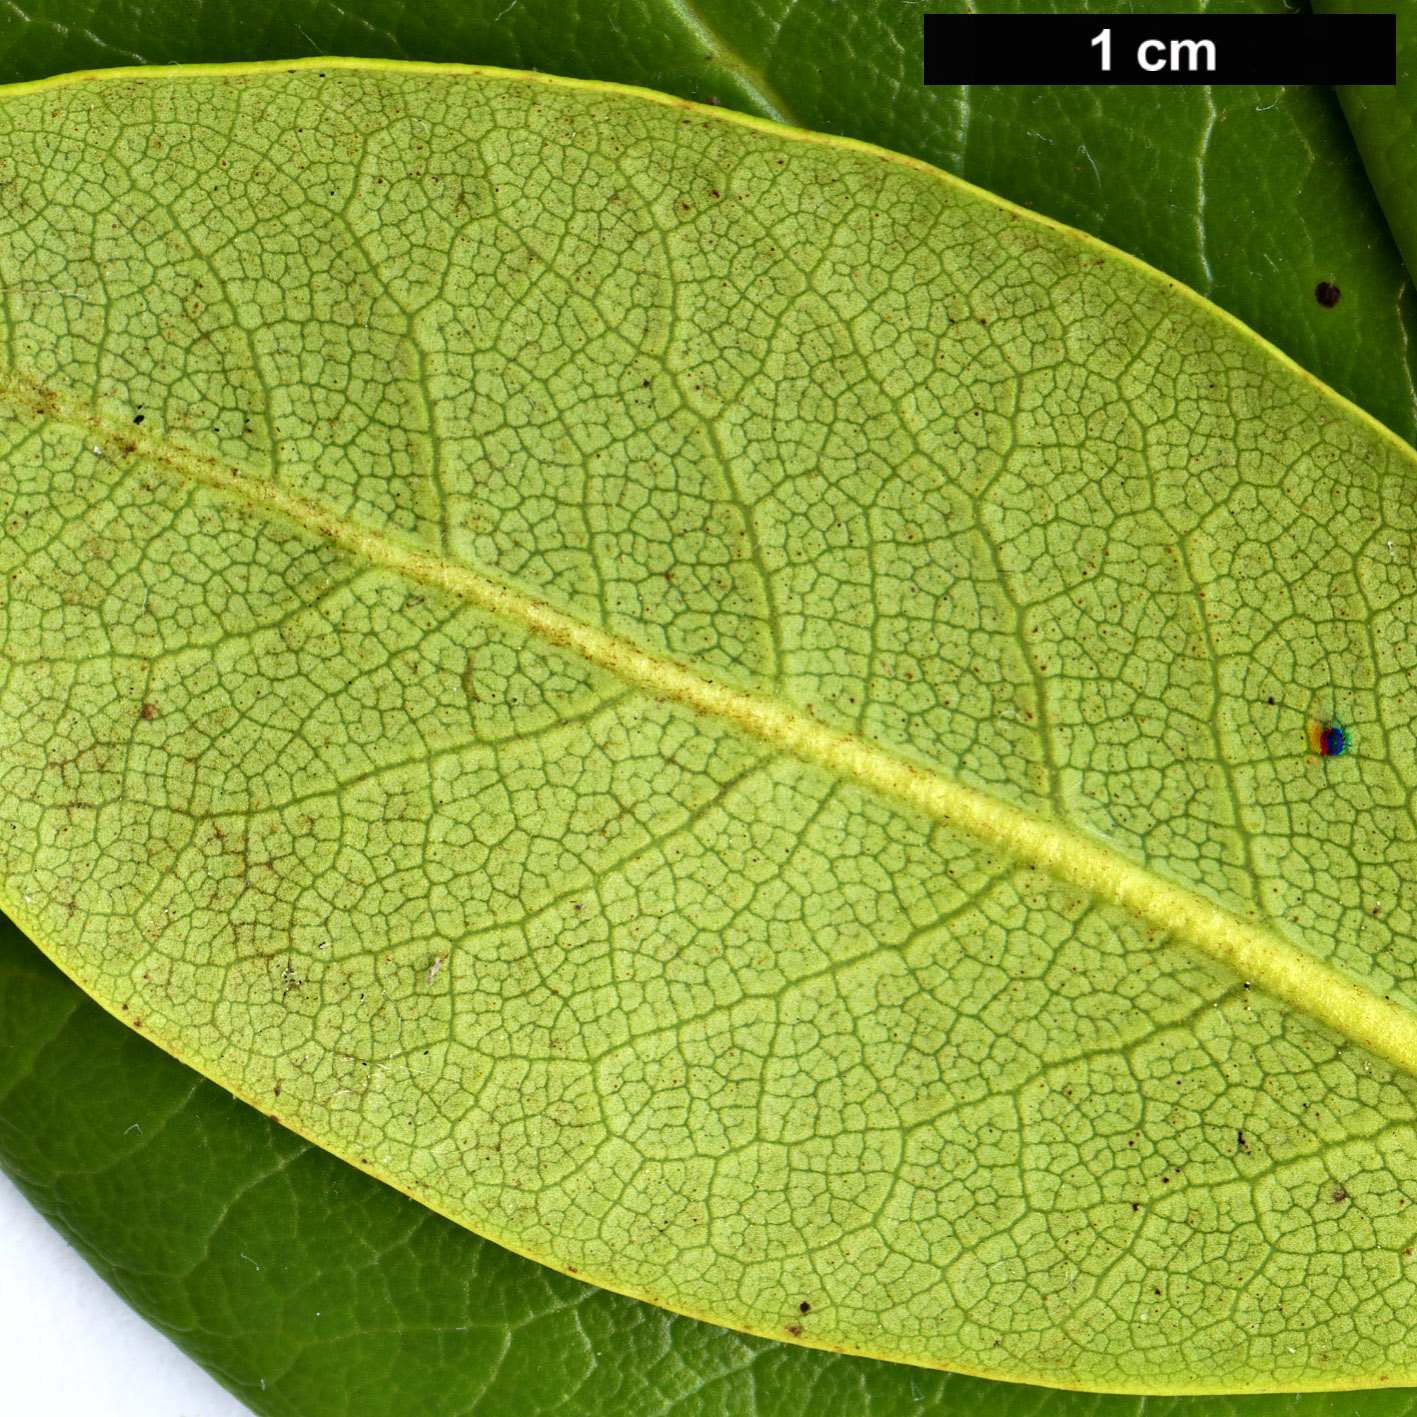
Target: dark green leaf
1384, 123
311, 1290
1253, 196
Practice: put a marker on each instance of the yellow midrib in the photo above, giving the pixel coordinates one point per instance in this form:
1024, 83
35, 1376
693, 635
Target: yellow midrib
1267, 960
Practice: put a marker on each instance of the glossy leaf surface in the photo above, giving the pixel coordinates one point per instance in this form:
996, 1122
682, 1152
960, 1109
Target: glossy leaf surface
1384, 122
367, 1304
794, 61
311, 1288
407, 792
1308, 201
1251, 195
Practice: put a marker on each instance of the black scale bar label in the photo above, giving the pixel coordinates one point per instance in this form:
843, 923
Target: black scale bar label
1160, 49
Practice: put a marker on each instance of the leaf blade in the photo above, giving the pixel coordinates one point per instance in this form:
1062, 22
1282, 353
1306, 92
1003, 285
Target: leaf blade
1070, 152
1381, 118
323, 582
97, 1185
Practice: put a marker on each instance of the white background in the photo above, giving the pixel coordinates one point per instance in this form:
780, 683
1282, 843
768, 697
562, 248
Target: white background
70, 1347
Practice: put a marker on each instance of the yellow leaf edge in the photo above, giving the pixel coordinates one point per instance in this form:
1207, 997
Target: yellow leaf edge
1282, 969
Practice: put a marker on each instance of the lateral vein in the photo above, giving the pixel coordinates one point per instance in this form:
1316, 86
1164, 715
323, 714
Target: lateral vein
1283, 969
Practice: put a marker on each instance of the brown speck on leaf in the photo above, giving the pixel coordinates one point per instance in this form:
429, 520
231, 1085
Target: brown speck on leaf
149, 712
1327, 294
1339, 1195
804, 1306
795, 1330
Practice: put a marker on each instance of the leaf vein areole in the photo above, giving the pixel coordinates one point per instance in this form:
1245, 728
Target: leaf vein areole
1259, 956
738, 717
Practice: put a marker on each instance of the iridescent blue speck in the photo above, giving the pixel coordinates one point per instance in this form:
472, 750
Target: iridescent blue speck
1333, 740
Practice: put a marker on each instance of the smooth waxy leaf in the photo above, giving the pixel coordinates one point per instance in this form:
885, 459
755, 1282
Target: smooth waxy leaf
1384, 122
350, 1298
674, 921
368, 1305
1217, 168
1252, 195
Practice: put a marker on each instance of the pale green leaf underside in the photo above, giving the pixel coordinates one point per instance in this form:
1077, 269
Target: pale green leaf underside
721, 707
